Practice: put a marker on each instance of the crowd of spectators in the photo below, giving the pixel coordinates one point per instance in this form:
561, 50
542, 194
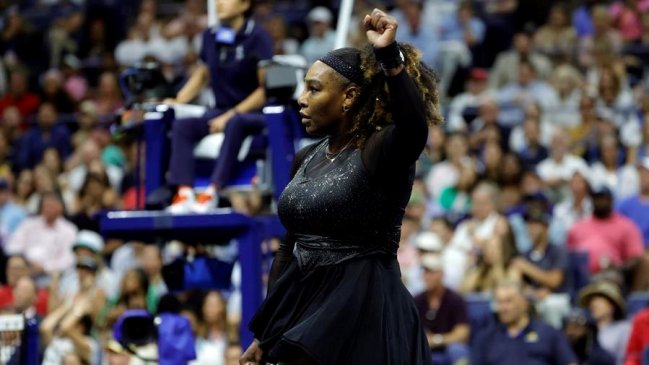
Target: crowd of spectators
533, 195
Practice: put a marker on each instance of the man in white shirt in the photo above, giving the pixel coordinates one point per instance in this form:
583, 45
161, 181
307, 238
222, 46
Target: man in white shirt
46, 239
557, 169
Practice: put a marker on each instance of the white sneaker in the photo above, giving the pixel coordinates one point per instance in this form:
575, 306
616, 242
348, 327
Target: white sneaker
205, 202
183, 201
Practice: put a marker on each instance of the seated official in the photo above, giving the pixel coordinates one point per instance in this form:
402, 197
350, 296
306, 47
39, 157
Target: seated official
230, 56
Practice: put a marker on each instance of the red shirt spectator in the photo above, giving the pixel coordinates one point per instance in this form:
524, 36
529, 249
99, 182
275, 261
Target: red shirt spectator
610, 238
17, 267
639, 339
19, 96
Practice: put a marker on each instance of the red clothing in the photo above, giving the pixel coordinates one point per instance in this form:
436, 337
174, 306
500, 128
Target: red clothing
27, 104
639, 339
610, 241
7, 299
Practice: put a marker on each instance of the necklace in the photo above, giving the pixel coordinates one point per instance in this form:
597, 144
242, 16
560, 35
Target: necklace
332, 156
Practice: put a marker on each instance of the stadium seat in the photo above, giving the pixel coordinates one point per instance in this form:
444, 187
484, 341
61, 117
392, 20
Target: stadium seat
636, 302
479, 311
578, 273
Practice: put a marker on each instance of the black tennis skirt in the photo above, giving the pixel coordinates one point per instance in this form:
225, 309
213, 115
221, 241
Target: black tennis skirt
355, 312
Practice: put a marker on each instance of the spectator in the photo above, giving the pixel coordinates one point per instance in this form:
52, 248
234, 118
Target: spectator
516, 338
603, 36
87, 118
463, 108
459, 35
48, 134
151, 262
529, 147
12, 125
132, 295
455, 201
18, 94
485, 225
109, 98
544, 269
605, 302
52, 92
17, 268
576, 206
88, 244
11, 214
626, 17
611, 240
568, 82
493, 263
213, 331
636, 206
417, 29
45, 240
444, 315
557, 37
87, 159
321, 36
581, 331
24, 188
612, 172
282, 43
557, 169
446, 173
505, 70
66, 330
638, 342
582, 18
25, 295
514, 97
95, 197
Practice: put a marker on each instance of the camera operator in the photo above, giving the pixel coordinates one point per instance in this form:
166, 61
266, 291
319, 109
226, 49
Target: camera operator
230, 54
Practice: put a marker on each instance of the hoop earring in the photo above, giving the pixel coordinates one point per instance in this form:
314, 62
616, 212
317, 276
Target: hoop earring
345, 108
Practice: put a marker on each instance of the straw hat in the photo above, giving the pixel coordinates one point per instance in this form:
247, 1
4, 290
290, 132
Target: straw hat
605, 289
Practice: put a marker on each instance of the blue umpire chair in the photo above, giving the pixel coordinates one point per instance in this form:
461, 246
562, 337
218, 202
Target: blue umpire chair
267, 156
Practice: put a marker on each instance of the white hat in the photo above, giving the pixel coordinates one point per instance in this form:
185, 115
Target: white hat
429, 241
432, 262
320, 14
90, 240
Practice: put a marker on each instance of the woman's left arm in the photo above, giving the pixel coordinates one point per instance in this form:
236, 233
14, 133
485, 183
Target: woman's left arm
410, 132
401, 143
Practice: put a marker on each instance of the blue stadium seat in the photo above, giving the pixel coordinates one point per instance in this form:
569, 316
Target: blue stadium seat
578, 273
636, 302
479, 311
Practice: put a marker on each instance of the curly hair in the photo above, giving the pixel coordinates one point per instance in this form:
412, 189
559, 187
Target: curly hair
372, 109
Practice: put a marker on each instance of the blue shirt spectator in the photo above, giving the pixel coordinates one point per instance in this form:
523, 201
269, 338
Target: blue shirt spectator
583, 21
48, 134
536, 344
516, 338
454, 29
416, 29
636, 207
11, 214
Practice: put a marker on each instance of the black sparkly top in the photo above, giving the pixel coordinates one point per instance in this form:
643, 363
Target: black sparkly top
353, 206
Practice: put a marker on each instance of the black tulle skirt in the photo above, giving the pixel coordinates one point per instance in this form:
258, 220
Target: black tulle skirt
356, 312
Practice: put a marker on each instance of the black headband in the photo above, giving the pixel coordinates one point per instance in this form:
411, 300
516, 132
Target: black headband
353, 74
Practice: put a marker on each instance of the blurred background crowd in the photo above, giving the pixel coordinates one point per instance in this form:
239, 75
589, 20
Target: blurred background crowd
531, 200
